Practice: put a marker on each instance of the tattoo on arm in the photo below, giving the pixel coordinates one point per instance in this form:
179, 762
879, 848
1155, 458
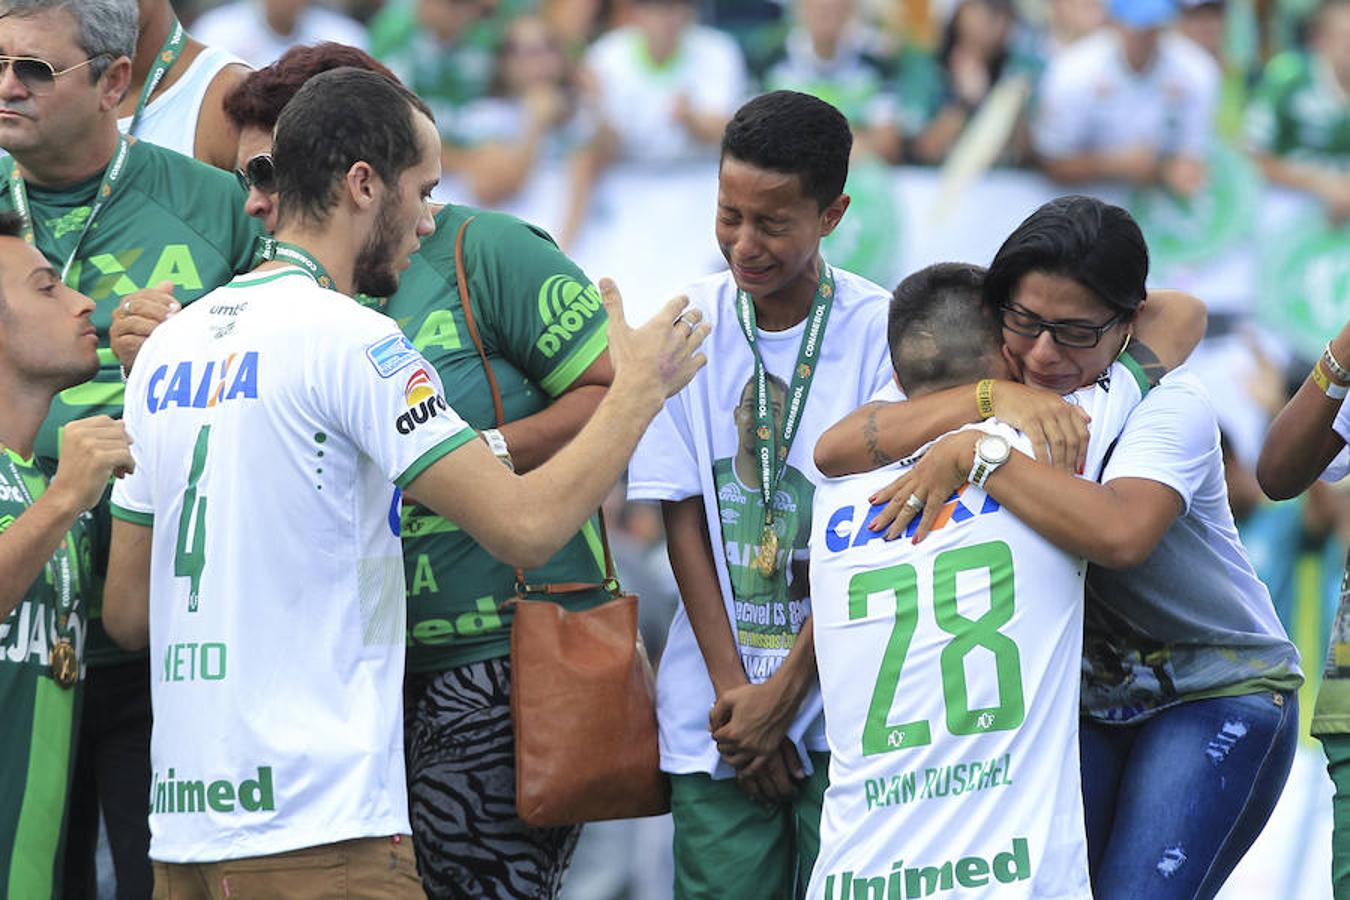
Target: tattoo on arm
870, 435
1153, 367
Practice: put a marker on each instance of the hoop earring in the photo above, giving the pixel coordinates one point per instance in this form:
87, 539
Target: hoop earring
1124, 346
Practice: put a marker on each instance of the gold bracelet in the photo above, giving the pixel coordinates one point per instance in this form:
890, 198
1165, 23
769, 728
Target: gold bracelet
1322, 378
984, 398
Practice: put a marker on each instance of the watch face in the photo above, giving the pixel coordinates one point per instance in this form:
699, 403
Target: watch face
993, 449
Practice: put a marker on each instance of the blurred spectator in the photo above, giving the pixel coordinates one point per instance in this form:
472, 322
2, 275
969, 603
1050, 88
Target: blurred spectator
637, 538
1074, 19
259, 31
1202, 22
828, 53
1065, 22
756, 25
665, 86
1131, 103
1298, 124
942, 95
442, 50
1279, 537
576, 23
531, 114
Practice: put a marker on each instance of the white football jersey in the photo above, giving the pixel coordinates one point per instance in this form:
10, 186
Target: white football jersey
272, 420
949, 672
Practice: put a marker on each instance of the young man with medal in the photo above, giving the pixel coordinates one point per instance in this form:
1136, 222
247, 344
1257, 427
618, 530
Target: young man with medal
113, 215
737, 699
47, 343
282, 402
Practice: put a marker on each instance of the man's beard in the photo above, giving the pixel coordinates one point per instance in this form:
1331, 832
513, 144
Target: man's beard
374, 274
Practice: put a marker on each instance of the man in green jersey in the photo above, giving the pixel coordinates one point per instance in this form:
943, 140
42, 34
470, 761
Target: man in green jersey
112, 216
47, 343
1298, 125
543, 330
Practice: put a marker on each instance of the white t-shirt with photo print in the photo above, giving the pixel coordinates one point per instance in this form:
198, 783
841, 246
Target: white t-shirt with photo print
690, 451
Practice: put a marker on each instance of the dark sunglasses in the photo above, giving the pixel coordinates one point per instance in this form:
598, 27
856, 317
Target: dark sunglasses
38, 75
258, 172
1066, 334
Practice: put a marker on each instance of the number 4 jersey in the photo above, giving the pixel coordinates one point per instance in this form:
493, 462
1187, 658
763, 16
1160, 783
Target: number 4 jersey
949, 671
272, 420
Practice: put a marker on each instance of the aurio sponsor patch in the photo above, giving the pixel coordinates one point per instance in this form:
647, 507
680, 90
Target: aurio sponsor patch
390, 354
422, 400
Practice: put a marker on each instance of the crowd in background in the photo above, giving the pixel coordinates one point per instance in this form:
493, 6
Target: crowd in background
652, 82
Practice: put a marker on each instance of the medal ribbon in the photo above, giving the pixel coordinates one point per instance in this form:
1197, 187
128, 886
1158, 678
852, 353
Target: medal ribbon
19, 190
770, 448
58, 567
169, 51
270, 248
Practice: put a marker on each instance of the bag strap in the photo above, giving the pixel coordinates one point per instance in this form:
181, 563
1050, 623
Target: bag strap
462, 282
611, 582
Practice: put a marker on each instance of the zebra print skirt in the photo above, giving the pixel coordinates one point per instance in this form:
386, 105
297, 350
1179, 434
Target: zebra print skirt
462, 791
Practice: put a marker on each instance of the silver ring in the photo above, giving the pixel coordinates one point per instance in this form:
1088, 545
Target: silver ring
685, 319
126, 307
914, 503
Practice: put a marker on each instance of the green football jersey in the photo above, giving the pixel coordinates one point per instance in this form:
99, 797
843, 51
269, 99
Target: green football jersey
542, 324
170, 218
36, 742
1299, 112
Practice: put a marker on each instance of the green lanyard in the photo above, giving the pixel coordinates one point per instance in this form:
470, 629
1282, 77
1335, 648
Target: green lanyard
19, 190
770, 448
270, 248
167, 56
64, 663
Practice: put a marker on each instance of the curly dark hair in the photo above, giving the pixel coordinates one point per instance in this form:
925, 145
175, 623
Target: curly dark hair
795, 134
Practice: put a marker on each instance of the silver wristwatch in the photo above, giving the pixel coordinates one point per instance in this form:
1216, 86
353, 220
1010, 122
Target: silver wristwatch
991, 451
496, 442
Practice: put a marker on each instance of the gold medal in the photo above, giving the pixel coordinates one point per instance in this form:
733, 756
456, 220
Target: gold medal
65, 664
766, 562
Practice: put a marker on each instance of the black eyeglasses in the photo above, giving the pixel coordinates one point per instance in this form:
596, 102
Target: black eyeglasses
38, 75
1066, 334
258, 172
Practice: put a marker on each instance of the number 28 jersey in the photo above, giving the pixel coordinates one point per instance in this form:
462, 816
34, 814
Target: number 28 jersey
950, 673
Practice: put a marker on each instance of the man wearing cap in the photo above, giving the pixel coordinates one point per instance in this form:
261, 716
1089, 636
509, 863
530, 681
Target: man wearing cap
1132, 103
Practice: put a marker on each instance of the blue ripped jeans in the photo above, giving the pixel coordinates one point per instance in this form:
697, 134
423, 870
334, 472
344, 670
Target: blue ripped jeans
1173, 803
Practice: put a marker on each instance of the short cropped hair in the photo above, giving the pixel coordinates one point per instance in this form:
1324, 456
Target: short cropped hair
336, 119
105, 29
940, 332
795, 134
11, 224
1081, 238
257, 101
